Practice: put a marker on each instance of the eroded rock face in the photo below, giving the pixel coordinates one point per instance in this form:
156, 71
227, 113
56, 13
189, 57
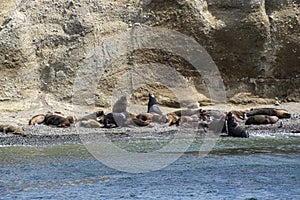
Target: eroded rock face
254, 43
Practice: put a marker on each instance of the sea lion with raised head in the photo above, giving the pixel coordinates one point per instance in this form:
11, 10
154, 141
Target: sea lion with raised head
120, 105
233, 129
152, 105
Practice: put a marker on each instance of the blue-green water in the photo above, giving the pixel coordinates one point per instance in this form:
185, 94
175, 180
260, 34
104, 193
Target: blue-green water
255, 168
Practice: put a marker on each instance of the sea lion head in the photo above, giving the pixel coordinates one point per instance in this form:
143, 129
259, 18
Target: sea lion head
71, 119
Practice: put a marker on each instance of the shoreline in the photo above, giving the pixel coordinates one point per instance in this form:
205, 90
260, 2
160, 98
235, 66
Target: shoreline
44, 135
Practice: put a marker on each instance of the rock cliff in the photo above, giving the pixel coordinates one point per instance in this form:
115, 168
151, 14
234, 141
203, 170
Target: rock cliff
44, 43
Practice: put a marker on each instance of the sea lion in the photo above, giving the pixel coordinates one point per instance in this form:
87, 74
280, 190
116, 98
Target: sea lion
93, 116
121, 105
57, 120
145, 117
172, 119
124, 119
280, 113
152, 105
216, 120
160, 119
239, 115
111, 120
168, 119
193, 122
37, 119
261, 119
11, 129
90, 123
71, 119
233, 128
138, 120
189, 119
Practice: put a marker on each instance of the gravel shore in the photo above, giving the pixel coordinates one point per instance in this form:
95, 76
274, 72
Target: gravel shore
44, 135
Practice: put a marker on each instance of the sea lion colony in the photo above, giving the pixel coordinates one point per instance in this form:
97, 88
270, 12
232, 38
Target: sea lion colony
215, 120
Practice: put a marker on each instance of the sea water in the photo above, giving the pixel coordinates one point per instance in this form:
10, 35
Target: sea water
256, 168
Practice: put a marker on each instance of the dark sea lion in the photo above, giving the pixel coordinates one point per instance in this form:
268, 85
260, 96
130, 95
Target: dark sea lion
261, 119
234, 129
121, 105
280, 113
37, 119
124, 119
112, 120
11, 129
152, 105
57, 120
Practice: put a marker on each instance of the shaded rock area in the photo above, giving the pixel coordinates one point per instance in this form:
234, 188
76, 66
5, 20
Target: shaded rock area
44, 44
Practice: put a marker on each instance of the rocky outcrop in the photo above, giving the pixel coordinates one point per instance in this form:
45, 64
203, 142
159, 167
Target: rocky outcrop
43, 44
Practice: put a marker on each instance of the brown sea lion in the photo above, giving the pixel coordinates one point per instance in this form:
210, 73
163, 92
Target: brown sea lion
145, 117
239, 115
172, 119
233, 129
280, 113
189, 119
156, 118
261, 119
168, 119
193, 122
90, 123
11, 129
37, 119
142, 119
134, 120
